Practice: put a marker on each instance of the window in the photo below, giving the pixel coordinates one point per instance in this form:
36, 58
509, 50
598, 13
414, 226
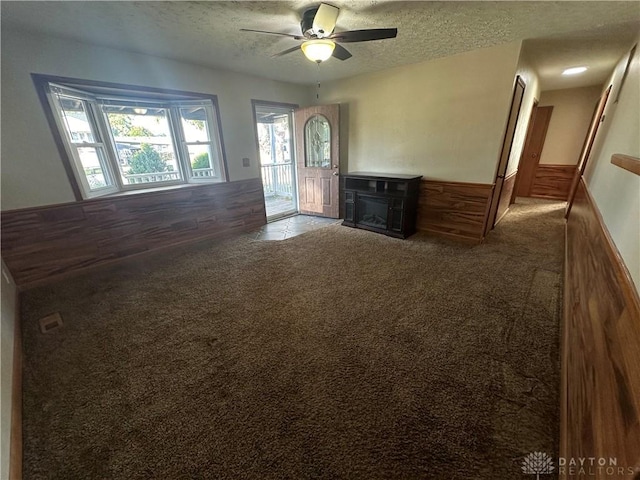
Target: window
133, 141
317, 142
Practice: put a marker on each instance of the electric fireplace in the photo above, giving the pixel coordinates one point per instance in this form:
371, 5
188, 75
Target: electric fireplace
383, 203
372, 211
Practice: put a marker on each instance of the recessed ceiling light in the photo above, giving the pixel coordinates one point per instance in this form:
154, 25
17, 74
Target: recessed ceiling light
574, 70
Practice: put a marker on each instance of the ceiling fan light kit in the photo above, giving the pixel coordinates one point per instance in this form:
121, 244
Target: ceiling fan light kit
320, 42
318, 50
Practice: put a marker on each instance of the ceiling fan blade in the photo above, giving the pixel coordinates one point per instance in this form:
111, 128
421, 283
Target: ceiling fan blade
341, 53
297, 37
364, 35
288, 50
325, 20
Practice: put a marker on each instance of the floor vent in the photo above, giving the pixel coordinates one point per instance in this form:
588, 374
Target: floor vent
50, 322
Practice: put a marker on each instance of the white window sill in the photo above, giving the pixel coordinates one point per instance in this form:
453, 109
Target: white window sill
164, 188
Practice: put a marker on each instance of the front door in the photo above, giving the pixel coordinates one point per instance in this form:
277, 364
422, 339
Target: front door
318, 161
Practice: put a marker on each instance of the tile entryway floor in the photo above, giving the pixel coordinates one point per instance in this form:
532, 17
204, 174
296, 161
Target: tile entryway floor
291, 227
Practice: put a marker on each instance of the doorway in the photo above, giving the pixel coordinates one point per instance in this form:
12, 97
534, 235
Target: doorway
536, 135
596, 120
503, 184
274, 134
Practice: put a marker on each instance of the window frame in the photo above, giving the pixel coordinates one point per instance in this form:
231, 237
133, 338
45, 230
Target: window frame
126, 187
72, 146
92, 93
184, 144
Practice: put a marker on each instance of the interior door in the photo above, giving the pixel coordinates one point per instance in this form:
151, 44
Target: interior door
317, 157
532, 150
586, 147
502, 195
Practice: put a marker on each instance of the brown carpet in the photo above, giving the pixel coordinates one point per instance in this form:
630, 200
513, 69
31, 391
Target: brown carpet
336, 354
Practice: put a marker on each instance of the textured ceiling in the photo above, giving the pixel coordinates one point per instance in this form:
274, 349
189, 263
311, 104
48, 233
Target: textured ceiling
560, 33
598, 49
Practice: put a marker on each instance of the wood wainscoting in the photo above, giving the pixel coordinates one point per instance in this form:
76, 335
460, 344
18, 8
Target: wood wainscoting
552, 181
44, 242
601, 338
453, 209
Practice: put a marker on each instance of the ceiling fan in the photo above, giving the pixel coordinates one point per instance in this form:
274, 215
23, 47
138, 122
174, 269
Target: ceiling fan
320, 42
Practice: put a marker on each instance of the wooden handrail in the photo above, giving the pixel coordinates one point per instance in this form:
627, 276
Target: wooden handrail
627, 162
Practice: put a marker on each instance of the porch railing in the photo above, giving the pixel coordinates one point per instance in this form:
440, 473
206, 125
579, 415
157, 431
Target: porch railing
152, 177
203, 172
166, 176
277, 179
95, 176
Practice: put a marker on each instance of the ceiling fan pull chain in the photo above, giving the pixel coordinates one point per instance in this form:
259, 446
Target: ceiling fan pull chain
318, 91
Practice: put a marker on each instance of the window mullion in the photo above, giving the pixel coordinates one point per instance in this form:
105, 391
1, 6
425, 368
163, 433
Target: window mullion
178, 139
112, 152
214, 128
108, 144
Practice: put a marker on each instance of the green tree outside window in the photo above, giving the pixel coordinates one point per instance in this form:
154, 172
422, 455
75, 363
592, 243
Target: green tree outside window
147, 160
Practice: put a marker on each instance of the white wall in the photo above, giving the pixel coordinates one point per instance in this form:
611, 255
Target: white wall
443, 119
617, 191
570, 119
531, 93
7, 330
32, 172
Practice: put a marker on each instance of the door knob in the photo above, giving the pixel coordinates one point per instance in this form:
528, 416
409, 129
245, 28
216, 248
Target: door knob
335, 174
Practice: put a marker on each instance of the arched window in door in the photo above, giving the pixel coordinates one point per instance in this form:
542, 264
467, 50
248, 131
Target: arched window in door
317, 140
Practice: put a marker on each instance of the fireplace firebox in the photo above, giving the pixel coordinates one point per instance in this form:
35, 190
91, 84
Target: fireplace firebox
383, 203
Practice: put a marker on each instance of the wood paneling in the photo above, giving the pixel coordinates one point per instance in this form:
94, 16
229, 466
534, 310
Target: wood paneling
452, 209
553, 181
44, 242
627, 162
601, 357
506, 195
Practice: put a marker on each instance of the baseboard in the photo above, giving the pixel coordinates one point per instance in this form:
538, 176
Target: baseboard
600, 411
454, 210
15, 449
